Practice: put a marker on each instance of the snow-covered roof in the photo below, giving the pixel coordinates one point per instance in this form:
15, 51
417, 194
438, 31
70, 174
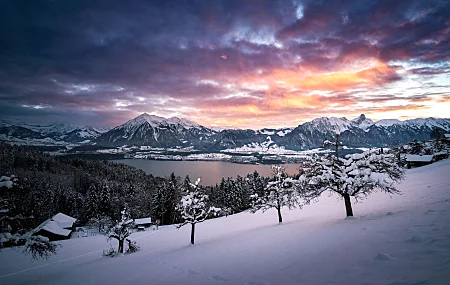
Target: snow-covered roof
55, 228
447, 136
63, 219
57, 225
418, 158
52, 227
65, 225
142, 221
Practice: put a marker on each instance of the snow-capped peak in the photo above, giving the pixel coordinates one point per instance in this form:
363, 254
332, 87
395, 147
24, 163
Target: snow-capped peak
417, 123
156, 121
388, 122
363, 122
334, 124
184, 122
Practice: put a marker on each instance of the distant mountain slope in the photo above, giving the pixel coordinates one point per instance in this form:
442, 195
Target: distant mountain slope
154, 131
361, 132
83, 134
54, 132
19, 132
158, 132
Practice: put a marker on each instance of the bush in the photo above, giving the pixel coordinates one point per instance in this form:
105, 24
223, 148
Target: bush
111, 252
132, 246
40, 247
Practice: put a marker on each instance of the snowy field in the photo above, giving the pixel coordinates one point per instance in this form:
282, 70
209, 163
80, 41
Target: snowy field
399, 240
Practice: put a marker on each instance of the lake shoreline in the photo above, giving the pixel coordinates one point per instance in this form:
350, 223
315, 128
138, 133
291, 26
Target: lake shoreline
210, 172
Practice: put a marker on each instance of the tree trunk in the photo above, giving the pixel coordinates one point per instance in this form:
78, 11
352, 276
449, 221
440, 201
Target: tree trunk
192, 233
280, 218
120, 246
348, 205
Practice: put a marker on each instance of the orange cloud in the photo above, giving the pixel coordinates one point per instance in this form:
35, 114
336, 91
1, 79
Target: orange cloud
444, 98
360, 73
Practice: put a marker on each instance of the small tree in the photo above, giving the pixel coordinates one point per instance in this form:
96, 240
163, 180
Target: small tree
357, 175
194, 207
279, 192
40, 247
121, 230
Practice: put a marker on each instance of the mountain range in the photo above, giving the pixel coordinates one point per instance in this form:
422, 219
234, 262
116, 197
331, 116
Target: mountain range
50, 133
159, 132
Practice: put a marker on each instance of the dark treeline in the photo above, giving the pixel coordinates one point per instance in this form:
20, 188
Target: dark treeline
92, 189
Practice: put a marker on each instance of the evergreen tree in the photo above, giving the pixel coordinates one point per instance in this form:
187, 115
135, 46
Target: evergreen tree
173, 196
105, 203
159, 202
36, 246
92, 202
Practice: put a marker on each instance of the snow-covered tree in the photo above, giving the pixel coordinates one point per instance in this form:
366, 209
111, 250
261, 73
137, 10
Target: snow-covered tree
40, 247
100, 223
356, 175
159, 201
121, 230
281, 191
165, 200
92, 202
194, 207
36, 246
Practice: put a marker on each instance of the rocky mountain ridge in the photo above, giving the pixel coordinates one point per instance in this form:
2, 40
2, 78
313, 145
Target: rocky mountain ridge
175, 133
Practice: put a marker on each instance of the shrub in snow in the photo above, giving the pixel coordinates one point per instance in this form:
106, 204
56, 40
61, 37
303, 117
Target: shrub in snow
121, 230
132, 246
356, 175
40, 247
194, 207
280, 192
111, 252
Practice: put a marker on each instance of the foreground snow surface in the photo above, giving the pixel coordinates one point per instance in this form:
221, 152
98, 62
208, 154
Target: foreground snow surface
399, 240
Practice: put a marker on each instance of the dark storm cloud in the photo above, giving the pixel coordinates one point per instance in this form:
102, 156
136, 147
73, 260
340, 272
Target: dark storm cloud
75, 58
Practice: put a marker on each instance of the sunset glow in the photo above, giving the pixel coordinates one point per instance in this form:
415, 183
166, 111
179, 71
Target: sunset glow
246, 64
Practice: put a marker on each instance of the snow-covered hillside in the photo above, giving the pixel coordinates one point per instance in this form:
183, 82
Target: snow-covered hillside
399, 240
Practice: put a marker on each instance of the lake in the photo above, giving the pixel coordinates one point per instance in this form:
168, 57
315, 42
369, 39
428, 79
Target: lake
210, 172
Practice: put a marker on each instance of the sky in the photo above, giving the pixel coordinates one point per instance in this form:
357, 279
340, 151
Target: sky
224, 63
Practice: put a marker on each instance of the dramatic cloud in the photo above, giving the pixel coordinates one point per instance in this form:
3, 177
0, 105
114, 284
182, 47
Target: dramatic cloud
228, 63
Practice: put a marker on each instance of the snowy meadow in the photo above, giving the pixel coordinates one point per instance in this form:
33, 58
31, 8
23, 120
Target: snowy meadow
396, 240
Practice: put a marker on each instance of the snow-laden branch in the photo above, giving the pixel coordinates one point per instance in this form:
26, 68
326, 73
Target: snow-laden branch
121, 230
281, 191
356, 175
194, 206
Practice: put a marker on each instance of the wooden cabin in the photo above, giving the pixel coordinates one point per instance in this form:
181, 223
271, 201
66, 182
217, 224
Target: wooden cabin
59, 227
414, 160
143, 223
